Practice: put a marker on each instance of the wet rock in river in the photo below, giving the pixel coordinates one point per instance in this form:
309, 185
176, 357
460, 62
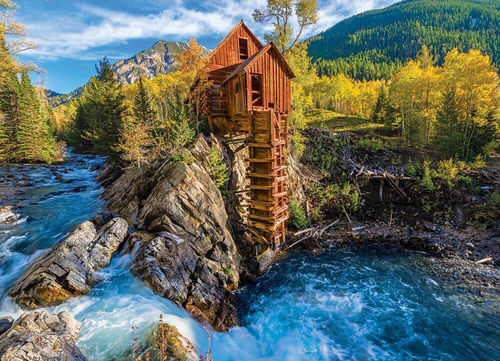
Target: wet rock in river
7, 216
71, 268
175, 346
5, 324
181, 271
41, 336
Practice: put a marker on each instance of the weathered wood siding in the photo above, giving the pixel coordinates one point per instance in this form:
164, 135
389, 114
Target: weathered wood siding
276, 82
228, 52
236, 90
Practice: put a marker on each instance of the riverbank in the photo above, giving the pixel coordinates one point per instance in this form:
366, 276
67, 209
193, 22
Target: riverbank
466, 259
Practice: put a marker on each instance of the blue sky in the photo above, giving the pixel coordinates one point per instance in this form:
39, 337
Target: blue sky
73, 34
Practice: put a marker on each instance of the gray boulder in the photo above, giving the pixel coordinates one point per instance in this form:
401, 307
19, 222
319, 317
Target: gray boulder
40, 336
71, 268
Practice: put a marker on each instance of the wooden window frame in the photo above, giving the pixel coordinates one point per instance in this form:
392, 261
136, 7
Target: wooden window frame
243, 55
260, 91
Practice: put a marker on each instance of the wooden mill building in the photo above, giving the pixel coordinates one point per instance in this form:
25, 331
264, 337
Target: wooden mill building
250, 95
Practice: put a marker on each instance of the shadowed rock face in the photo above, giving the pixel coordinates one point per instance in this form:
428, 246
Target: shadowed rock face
70, 268
40, 336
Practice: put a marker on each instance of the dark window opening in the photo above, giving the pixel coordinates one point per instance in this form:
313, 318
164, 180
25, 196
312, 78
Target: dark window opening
257, 90
270, 105
237, 89
243, 43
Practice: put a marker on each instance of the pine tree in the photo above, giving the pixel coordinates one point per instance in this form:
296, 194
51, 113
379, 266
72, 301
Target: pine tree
4, 139
380, 106
449, 135
9, 106
108, 102
143, 110
98, 121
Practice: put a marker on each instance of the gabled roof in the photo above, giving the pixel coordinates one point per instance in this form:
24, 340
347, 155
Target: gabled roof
236, 27
247, 63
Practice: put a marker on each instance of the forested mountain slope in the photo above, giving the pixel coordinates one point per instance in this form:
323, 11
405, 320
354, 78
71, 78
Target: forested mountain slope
373, 44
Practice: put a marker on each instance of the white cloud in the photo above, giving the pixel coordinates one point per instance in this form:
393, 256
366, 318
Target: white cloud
84, 33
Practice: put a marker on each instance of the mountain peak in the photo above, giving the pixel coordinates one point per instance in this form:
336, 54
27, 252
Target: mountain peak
158, 59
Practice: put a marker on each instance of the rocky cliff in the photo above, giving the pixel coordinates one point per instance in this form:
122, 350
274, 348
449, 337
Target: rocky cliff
186, 249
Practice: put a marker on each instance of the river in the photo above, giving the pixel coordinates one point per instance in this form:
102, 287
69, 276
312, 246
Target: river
334, 306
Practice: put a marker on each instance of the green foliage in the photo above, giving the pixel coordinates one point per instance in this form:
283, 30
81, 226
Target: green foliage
298, 216
425, 181
183, 156
218, 169
321, 154
381, 106
26, 134
143, 110
182, 133
371, 145
99, 116
375, 44
336, 198
279, 12
485, 215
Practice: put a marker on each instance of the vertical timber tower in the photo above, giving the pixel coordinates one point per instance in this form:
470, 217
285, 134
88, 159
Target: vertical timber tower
250, 95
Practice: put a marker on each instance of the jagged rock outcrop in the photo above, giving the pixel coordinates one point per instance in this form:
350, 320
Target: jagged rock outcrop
187, 252
40, 336
71, 268
7, 216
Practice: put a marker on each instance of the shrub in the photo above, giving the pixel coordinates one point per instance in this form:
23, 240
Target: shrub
413, 168
486, 215
297, 215
298, 145
371, 145
337, 198
183, 156
447, 172
426, 181
218, 169
322, 154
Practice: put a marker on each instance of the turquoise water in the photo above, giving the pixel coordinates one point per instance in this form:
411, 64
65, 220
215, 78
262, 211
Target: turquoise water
336, 306
365, 306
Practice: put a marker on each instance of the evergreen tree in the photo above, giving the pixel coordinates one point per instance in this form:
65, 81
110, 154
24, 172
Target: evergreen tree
34, 139
108, 102
98, 120
9, 106
449, 133
143, 110
28, 118
378, 114
4, 139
